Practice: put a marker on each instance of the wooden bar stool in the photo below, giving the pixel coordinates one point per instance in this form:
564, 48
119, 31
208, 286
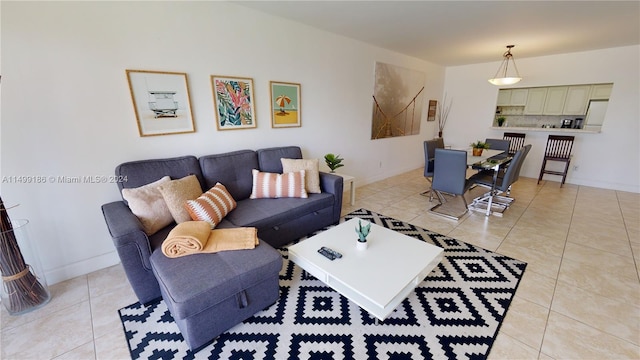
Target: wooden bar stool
516, 141
558, 149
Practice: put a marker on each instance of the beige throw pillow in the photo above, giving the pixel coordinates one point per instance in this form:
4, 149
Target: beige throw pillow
177, 192
146, 202
310, 167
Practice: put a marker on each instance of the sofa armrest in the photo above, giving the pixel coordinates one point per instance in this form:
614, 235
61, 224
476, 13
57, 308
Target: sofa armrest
333, 184
126, 230
134, 250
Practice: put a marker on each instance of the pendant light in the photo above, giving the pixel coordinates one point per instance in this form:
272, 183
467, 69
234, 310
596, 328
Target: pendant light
501, 77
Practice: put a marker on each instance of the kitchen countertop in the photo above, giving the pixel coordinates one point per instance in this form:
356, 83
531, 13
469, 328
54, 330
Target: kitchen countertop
541, 129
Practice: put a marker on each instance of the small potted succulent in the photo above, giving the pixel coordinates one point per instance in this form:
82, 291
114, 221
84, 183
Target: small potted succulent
478, 146
333, 161
500, 120
363, 232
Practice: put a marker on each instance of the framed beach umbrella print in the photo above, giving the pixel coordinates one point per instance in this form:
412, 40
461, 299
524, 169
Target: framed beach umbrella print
234, 102
285, 104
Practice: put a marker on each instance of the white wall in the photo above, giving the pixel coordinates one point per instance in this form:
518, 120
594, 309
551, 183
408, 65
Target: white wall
66, 108
610, 159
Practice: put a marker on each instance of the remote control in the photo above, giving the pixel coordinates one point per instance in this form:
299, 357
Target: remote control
329, 253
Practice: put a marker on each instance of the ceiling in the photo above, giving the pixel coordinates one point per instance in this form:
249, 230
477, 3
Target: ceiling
451, 33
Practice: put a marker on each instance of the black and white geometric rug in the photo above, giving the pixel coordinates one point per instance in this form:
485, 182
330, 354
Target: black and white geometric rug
455, 313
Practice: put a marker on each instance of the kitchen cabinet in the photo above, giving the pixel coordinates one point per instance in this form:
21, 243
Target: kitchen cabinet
519, 97
577, 100
512, 97
601, 91
535, 101
554, 102
504, 97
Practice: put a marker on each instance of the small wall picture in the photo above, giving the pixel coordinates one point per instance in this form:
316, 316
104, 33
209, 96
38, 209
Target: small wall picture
285, 104
234, 102
431, 113
161, 102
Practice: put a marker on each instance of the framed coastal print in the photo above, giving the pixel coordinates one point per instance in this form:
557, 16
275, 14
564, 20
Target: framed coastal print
285, 104
161, 102
234, 102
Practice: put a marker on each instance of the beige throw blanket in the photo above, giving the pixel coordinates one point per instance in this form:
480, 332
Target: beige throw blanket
195, 237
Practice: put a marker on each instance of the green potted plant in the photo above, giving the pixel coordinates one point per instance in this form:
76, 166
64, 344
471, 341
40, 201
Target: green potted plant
363, 232
478, 146
333, 161
500, 120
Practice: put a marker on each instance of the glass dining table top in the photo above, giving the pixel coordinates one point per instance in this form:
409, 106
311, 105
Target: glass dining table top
486, 154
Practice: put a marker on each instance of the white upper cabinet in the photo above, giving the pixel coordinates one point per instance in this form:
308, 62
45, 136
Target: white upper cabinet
519, 97
535, 101
577, 100
554, 102
601, 91
512, 97
504, 97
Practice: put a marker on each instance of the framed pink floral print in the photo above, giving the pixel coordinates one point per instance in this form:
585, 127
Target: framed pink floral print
234, 102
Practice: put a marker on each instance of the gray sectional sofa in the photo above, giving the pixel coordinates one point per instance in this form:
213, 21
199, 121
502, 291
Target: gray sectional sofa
245, 281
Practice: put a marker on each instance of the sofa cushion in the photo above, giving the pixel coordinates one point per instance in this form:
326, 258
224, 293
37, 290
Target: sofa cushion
311, 172
263, 213
269, 159
177, 192
142, 172
148, 205
271, 185
232, 169
197, 282
212, 206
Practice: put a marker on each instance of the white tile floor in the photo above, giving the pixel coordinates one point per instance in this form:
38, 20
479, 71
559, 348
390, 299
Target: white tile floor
579, 297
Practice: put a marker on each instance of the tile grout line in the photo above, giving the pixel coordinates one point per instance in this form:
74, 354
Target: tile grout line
626, 230
557, 278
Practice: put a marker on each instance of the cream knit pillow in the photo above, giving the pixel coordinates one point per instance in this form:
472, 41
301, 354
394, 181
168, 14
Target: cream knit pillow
146, 202
310, 167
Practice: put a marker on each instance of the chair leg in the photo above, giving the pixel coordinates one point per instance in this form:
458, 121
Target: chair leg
544, 163
429, 192
564, 175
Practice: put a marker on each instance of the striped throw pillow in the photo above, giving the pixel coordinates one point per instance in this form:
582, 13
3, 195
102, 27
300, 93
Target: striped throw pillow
272, 185
211, 206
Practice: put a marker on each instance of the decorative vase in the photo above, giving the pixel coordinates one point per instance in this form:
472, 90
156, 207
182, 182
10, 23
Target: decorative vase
439, 134
24, 286
477, 151
360, 245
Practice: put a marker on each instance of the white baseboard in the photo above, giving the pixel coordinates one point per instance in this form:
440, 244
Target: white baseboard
81, 268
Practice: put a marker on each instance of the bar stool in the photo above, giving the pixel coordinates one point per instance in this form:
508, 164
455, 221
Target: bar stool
558, 149
516, 141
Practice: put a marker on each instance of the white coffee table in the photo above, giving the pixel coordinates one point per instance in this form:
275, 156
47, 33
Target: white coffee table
379, 278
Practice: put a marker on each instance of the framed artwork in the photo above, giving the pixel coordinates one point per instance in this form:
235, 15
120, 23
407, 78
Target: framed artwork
161, 102
285, 104
397, 101
431, 113
234, 102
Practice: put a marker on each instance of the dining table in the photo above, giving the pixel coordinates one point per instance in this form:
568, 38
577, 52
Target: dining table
486, 154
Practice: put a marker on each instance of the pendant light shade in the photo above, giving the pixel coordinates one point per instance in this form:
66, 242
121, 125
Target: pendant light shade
503, 76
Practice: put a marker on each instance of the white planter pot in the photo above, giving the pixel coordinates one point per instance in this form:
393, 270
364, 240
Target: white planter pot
362, 245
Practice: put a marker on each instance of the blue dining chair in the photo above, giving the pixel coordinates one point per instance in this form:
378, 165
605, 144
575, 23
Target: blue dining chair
450, 176
502, 185
429, 157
